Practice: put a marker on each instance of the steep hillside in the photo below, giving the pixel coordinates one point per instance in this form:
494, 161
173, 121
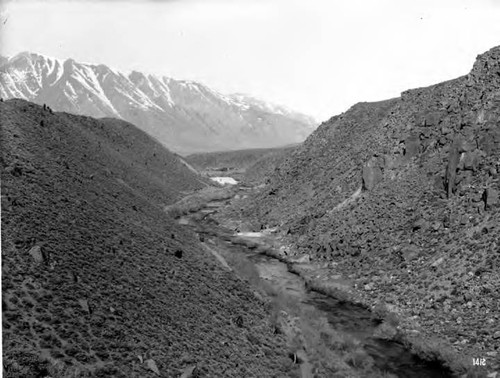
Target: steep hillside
403, 197
96, 277
185, 116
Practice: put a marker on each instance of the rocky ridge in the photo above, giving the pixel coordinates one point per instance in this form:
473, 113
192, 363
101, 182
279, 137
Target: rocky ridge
402, 196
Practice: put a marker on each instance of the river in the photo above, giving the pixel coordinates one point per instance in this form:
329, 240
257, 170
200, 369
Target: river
320, 328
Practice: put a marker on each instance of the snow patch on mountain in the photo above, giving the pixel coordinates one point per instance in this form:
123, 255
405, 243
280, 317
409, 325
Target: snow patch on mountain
184, 115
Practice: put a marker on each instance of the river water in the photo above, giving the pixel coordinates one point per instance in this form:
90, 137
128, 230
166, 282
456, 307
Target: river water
352, 321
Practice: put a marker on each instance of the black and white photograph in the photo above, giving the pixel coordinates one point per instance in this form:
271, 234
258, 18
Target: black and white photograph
250, 188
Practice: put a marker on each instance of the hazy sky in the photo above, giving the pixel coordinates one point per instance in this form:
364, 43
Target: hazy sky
316, 56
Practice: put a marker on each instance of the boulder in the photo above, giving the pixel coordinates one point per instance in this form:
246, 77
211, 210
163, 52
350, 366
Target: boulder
464, 178
490, 197
446, 129
438, 262
84, 304
151, 364
471, 160
451, 168
412, 146
411, 252
369, 286
431, 118
189, 372
465, 146
420, 224
385, 331
438, 183
305, 259
372, 174
392, 161
36, 253
490, 141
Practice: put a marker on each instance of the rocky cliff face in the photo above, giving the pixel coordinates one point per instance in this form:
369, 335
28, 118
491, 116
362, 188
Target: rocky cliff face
404, 196
185, 116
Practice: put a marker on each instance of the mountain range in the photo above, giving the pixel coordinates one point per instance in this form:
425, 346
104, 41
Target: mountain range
185, 116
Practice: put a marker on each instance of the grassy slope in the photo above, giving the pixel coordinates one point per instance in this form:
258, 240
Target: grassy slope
91, 194
405, 242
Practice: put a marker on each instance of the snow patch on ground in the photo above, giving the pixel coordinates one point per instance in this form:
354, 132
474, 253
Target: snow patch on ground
257, 234
224, 180
250, 234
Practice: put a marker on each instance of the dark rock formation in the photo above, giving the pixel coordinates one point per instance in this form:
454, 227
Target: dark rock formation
372, 174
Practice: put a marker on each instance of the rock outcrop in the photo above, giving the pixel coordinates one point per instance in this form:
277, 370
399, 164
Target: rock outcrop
372, 174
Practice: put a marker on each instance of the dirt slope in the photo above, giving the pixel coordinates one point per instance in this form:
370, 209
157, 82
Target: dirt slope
96, 278
404, 195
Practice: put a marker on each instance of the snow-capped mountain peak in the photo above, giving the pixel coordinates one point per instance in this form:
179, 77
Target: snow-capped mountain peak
184, 115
